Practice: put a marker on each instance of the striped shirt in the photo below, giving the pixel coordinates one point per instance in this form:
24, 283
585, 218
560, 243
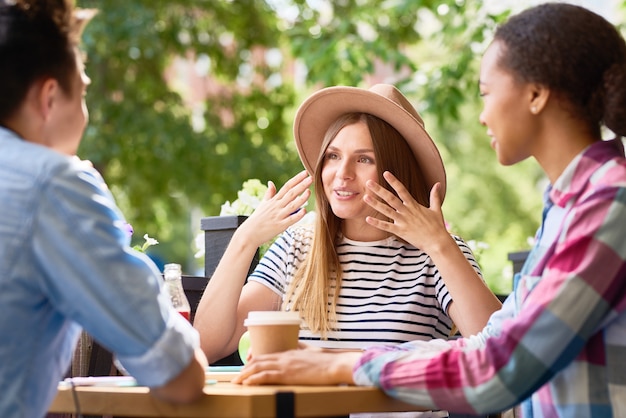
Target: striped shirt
391, 292
558, 345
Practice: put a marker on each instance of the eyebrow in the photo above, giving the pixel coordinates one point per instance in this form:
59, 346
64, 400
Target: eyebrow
357, 151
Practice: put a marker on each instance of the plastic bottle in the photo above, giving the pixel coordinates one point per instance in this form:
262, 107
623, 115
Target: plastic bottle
174, 285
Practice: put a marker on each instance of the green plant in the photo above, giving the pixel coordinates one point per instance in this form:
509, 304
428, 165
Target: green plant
148, 242
248, 199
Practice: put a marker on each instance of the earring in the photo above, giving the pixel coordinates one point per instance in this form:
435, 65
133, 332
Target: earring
533, 110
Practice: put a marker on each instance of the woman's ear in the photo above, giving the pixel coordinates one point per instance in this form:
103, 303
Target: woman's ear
539, 96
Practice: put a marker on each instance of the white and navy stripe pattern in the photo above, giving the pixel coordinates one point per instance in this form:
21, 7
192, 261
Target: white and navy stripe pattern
391, 291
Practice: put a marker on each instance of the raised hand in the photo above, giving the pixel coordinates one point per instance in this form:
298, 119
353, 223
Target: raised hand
278, 210
407, 219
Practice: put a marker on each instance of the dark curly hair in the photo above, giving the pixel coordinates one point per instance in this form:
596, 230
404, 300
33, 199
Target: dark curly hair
577, 54
38, 39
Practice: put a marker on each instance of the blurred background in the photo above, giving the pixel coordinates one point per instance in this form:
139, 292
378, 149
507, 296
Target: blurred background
191, 98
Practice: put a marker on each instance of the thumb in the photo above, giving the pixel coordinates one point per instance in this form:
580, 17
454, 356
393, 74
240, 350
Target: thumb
435, 197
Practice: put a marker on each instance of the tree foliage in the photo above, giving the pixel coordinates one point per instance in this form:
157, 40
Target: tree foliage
165, 151
141, 136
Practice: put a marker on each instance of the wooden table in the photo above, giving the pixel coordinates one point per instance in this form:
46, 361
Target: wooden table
225, 400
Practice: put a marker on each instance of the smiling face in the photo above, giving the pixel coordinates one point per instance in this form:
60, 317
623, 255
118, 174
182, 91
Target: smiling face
506, 109
349, 161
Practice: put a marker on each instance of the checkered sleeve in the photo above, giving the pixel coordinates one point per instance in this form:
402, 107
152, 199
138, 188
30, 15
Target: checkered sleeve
567, 298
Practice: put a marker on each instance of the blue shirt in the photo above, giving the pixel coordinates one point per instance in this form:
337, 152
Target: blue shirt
65, 263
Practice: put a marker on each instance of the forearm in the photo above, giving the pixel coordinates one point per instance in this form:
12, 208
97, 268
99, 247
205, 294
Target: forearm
473, 301
216, 318
405, 371
341, 367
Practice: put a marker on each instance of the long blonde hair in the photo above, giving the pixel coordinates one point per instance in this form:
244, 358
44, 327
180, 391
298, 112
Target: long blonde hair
315, 289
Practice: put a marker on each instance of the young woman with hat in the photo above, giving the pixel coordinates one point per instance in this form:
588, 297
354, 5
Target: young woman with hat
552, 77
354, 284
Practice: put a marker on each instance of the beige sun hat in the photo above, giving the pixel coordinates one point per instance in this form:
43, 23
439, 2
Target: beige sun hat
322, 108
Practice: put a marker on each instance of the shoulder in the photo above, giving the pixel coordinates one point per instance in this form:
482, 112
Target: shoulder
46, 173
47, 167
82, 171
608, 175
302, 234
74, 193
294, 241
599, 173
28, 160
602, 192
75, 181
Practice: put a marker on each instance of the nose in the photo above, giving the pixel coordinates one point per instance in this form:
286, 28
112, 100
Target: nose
345, 169
481, 118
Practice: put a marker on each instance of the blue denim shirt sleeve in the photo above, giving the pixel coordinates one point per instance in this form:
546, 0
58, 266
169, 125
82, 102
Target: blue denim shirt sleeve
94, 278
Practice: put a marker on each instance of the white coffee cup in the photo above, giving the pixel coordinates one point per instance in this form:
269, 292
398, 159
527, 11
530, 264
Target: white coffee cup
273, 331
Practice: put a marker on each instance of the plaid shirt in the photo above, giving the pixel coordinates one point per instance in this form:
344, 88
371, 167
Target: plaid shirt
558, 345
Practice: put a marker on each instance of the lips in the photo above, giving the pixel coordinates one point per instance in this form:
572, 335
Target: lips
344, 193
493, 141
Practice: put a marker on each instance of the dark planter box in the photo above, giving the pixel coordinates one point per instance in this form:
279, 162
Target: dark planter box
218, 230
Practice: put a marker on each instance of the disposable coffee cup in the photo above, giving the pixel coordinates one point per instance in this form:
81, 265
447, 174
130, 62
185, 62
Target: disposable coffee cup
272, 331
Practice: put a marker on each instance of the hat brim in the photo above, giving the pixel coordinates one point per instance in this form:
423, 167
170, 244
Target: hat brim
321, 109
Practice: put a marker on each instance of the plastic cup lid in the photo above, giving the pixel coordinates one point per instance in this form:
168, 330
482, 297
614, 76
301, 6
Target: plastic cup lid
272, 318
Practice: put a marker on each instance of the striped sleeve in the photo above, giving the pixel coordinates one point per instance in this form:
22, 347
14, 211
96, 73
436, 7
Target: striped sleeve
282, 259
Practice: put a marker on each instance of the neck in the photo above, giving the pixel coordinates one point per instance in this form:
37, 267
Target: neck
27, 120
560, 141
359, 230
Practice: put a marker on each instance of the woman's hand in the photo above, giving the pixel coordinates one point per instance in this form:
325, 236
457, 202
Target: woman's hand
278, 210
226, 302
310, 366
473, 302
421, 226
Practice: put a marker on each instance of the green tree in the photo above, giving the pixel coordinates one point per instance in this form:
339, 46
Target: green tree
141, 137
163, 156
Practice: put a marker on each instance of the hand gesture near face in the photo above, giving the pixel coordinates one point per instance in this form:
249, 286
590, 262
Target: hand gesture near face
407, 219
279, 209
